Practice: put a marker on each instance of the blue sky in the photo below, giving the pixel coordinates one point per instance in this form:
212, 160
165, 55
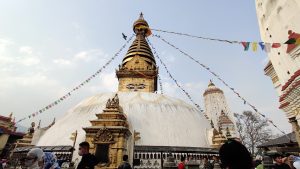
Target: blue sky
48, 47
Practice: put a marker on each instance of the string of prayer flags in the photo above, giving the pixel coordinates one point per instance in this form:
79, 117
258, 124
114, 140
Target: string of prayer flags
172, 77
293, 40
264, 46
53, 104
219, 78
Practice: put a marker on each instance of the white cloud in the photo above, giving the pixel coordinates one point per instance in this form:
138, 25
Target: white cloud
30, 80
4, 44
63, 62
26, 50
108, 82
90, 55
29, 61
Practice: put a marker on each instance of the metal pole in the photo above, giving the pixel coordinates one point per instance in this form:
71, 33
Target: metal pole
75, 138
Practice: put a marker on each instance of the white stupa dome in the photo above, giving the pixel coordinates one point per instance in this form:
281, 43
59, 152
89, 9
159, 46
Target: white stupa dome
161, 120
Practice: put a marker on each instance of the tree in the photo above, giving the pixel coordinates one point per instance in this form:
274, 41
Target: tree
253, 130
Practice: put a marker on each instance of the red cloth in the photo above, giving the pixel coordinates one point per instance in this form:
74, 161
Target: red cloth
181, 165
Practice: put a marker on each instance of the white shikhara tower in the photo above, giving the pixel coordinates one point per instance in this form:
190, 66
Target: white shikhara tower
218, 112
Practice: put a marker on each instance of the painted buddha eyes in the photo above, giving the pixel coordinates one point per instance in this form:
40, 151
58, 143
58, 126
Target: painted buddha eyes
136, 87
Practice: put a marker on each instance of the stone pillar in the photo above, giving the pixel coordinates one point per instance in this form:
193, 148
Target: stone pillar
120, 149
296, 128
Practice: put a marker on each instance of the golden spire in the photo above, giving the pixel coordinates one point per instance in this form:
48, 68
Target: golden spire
140, 46
138, 71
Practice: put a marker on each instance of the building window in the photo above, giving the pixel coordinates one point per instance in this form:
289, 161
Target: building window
102, 153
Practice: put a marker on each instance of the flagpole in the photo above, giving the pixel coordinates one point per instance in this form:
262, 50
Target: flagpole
73, 147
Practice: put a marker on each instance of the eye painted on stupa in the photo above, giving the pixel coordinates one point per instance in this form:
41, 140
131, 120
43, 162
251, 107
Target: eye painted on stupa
130, 86
135, 86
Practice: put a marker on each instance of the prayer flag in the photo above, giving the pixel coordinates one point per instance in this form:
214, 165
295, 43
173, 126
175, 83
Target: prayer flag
254, 46
276, 45
267, 47
262, 45
297, 41
246, 45
291, 41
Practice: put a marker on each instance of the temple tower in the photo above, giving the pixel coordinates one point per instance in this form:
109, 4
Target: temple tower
108, 135
217, 110
138, 71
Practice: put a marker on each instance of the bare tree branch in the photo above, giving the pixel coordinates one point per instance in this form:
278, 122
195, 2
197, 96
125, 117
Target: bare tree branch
253, 130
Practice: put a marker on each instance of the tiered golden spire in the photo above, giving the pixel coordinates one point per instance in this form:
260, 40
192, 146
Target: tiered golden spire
140, 46
138, 71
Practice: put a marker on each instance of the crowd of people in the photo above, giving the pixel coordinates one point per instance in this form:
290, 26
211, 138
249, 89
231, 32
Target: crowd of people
232, 155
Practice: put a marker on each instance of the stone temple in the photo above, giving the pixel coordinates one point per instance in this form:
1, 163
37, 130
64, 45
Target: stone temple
137, 121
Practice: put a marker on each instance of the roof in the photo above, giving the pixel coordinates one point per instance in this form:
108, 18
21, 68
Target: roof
45, 148
4, 130
268, 65
176, 149
212, 89
283, 140
7, 119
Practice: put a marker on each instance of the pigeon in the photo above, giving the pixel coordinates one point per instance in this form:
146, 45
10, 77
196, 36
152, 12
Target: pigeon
124, 36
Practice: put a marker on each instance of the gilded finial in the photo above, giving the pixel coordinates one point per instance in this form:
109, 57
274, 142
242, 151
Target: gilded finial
141, 16
211, 83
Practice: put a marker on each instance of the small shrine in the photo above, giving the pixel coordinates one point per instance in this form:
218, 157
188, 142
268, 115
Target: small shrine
108, 135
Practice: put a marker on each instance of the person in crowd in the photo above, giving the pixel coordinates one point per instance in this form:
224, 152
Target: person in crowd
290, 160
181, 164
279, 162
37, 159
1, 164
216, 162
207, 164
88, 160
234, 155
258, 164
125, 164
